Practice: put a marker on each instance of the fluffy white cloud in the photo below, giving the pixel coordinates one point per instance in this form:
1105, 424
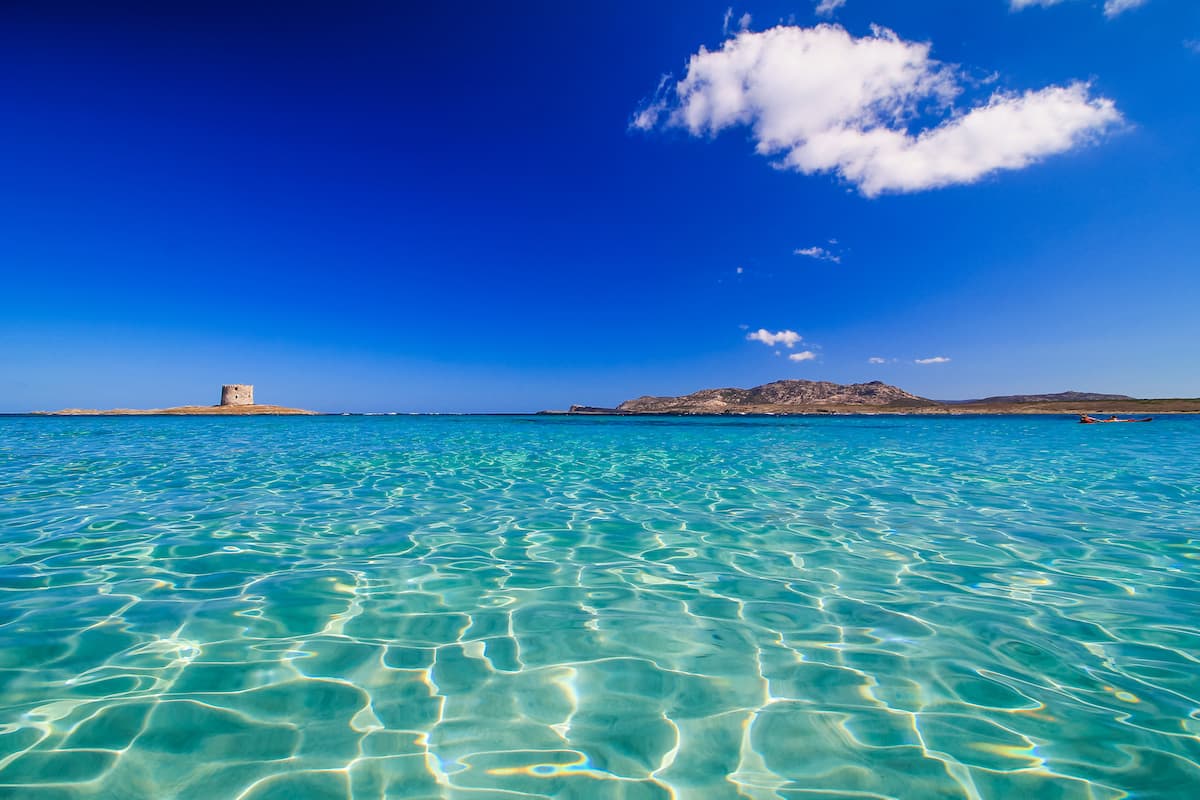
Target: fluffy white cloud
819, 253
1111, 7
786, 338
934, 360
819, 100
876, 360
803, 355
825, 8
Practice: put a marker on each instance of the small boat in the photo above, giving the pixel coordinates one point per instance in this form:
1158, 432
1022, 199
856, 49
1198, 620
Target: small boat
1088, 420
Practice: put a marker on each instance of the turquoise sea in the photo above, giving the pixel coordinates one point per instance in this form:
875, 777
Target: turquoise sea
494, 608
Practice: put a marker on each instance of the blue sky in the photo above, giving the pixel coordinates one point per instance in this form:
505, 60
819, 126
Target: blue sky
363, 206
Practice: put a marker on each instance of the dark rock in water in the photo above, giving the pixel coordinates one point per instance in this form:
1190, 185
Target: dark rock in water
593, 410
596, 410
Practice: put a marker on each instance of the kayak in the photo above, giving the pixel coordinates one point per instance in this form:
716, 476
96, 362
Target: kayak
1092, 420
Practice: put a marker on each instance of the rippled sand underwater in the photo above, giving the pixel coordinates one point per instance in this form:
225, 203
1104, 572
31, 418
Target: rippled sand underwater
458, 607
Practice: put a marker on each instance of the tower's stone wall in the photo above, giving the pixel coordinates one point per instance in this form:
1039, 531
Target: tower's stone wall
237, 394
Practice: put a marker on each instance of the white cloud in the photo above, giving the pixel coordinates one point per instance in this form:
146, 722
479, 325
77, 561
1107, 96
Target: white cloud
1111, 7
825, 8
740, 270
818, 100
933, 360
1114, 7
876, 360
787, 338
744, 21
803, 355
725, 22
819, 253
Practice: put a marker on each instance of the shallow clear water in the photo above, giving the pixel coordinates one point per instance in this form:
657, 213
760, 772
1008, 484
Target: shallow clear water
458, 607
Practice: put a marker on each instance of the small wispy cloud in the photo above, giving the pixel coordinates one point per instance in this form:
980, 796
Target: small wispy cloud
803, 355
788, 339
646, 117
876, 360
743, 21
819, 253
1193, 45
1114, 7
825, 8
933, 360
1111, 7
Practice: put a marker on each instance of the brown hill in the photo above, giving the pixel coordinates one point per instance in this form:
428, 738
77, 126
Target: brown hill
777, 396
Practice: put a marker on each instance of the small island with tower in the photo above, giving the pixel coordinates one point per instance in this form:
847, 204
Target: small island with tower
237, 399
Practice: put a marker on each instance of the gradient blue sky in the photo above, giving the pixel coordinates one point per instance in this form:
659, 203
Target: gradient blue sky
367, 206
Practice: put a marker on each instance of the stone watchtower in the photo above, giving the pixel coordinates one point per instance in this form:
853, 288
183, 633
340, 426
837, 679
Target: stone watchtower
237, 394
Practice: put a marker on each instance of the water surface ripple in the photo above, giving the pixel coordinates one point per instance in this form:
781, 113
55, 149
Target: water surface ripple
502, 608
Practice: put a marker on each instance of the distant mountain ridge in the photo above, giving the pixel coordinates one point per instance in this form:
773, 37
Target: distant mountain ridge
790, 393
1065, 397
